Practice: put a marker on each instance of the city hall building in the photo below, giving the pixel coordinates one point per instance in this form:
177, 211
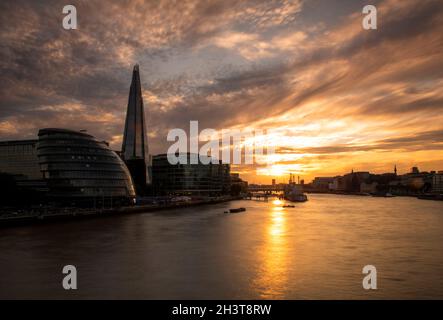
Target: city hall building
67, 166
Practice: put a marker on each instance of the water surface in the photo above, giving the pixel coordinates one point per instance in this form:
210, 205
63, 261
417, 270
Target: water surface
314, 251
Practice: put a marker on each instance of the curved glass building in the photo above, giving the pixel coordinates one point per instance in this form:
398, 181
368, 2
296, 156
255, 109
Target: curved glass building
67, 166
77, 166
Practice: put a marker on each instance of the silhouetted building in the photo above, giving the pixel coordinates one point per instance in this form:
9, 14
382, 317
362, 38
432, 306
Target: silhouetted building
337, 184
239, 186
189, 179
353, 180
68, 166
135, 146
19, 159
322, 183
415, 182
437, 183
368, 187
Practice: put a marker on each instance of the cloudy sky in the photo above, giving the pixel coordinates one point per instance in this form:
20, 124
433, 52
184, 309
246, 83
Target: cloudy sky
338, 97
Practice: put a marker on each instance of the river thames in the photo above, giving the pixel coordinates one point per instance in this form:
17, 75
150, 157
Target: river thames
314, 251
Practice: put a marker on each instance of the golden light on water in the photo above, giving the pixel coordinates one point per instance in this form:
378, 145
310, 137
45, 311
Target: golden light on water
277, 222
273, 276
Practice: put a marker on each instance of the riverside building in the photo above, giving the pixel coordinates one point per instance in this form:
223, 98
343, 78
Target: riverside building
189, 179
68, 166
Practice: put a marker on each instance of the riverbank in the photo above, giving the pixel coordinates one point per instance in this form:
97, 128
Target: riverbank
435, 197
13, 217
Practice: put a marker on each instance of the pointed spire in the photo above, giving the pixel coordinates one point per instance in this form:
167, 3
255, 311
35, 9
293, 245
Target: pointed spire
135, 146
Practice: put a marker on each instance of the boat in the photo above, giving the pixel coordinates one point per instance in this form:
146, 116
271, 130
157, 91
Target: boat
297, 197
383, 195
288, 206
291, 193
237, 210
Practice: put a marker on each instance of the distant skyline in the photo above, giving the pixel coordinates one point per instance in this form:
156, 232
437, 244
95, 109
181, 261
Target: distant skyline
296, 178
341, 97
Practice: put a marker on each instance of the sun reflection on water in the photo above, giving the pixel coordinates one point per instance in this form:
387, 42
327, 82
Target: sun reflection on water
272, 279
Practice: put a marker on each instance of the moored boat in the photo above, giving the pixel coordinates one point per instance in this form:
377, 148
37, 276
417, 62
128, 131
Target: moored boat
383, 195
291, 193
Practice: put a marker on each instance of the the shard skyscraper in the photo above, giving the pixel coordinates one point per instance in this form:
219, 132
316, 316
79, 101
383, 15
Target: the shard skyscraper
135, 145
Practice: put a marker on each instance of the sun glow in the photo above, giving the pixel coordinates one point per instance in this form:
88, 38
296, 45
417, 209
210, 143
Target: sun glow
279, 170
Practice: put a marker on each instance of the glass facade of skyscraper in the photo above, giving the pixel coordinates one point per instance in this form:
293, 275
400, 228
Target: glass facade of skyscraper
189, 179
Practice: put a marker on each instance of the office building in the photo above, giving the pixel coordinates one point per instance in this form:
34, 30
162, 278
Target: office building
437, 183
135, 151
19, 160
189, 179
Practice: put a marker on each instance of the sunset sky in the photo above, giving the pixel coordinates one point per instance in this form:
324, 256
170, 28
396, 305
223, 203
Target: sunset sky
340, 97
